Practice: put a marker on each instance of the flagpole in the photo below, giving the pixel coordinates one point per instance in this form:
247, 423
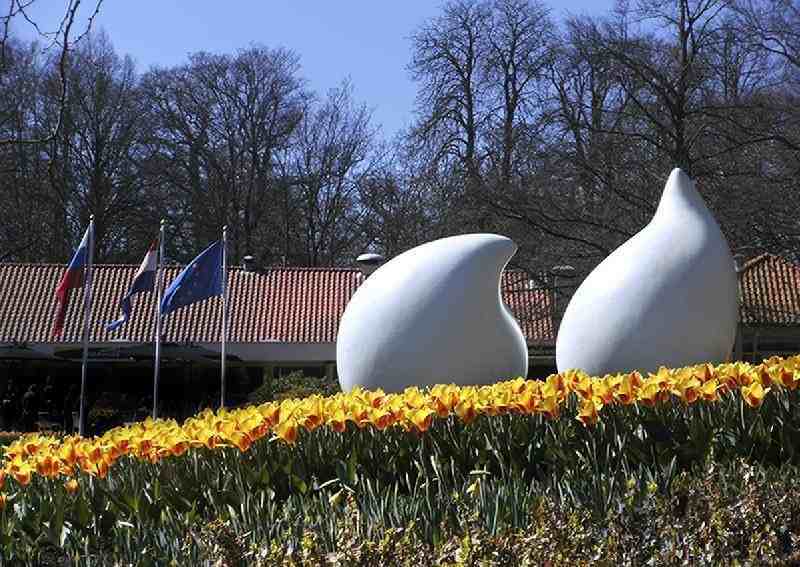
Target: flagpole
159, 291
87, 308
224, 311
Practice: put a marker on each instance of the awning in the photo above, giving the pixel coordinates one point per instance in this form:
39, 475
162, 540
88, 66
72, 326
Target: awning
170, 353
176, 352
21, 351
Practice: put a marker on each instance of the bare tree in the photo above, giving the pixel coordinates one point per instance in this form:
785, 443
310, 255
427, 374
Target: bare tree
95, 157
221, 122
447, 56
400, 208
576, 133
328, 159
773, 25
23, 174
52, 187
64, 38
519, 51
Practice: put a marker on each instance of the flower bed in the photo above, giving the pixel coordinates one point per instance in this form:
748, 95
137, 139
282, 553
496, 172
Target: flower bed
412, 410
340, 474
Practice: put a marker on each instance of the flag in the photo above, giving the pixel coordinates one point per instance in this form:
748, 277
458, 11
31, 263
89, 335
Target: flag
144, 280
201, 279
72, 278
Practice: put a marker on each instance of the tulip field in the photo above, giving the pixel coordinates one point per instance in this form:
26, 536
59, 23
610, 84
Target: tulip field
695, 465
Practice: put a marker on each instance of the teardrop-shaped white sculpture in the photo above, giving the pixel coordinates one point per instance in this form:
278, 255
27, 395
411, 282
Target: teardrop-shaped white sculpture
667, 296
433, 315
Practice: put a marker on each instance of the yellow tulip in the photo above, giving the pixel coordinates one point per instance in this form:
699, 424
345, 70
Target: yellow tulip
649, 393
625, 390
313, 411
48, 466
588, 412
22, 474
602, 390
360, 414
338, 420
412, 397
375, 398
211, 439
31, 445
380, 418
466, 411
445, 398
414, 409
422, 418
663, 377
526, 401
287, 430
177, 446
270, 412
709, 390
549, 406
242, 441
754, 394
787, 377
555, 383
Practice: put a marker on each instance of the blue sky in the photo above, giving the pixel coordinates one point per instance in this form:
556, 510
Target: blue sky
366, 41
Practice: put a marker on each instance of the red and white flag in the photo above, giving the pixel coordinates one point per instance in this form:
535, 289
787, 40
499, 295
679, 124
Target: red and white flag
144, 280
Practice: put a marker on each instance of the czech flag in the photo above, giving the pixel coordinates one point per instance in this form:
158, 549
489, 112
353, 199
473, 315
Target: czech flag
144, 280
72, 278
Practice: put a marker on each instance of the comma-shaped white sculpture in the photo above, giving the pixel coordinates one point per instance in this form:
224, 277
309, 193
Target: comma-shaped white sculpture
433, 315
667, 296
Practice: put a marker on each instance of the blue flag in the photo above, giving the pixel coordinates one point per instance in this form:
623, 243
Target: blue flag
201, 279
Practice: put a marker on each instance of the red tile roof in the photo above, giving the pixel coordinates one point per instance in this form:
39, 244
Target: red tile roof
532, 307
769, 291
294, 305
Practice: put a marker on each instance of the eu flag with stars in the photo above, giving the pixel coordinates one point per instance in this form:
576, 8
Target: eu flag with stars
201, 279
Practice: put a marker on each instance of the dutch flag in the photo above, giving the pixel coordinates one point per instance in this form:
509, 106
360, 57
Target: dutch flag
144, 280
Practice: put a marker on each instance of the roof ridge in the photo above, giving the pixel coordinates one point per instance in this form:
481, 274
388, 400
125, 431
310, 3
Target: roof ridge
756, 260
769, 256
47, 265
25, 264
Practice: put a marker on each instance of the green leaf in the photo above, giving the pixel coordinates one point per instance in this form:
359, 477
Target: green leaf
107, 521
299, 484
83, 515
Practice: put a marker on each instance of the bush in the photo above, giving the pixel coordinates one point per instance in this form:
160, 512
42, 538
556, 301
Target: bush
740, 513
293, 385
103, 418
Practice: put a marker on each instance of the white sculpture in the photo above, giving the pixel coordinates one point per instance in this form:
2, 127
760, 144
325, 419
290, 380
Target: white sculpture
667, 296
433, 315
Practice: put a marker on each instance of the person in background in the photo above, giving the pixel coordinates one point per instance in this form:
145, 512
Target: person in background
7, 411
14, 397
71, 404
48, 398
30, 408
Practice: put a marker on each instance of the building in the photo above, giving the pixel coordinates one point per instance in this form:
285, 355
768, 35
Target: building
280, 320
769, 292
